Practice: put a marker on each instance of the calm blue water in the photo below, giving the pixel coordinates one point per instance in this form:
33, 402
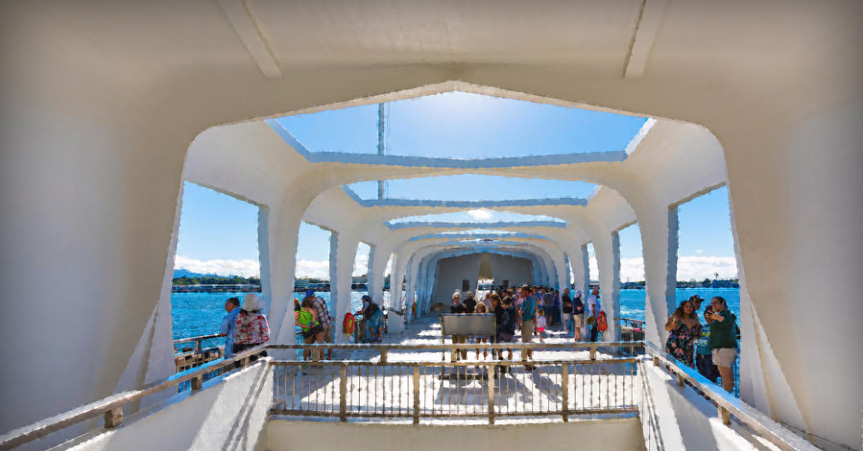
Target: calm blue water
196, 314
632, 301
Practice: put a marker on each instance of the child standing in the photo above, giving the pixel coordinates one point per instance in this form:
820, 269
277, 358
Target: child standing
540, 323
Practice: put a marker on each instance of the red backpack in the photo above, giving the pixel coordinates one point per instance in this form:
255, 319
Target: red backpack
601, 321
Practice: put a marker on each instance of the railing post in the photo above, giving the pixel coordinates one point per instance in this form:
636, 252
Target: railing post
593, 352
197, 346
491, 382
383, 356
197, 382
655, 361
725, 416
343, 393
564, 381
416, 390
113, 417
680, 380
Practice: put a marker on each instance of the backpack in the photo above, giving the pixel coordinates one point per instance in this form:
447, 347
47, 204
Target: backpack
348, 324
306, 320
601, 321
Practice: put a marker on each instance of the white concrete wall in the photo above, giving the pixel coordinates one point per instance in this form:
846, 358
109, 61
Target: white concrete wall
515, 269
452, 271
616, 434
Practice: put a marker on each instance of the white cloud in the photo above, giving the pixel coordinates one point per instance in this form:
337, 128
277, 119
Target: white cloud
319, 269
245, 268
688, 267
361, 265
699, 251
701, 266
481, 214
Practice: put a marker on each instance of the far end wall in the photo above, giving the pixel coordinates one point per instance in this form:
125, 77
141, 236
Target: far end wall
452, 271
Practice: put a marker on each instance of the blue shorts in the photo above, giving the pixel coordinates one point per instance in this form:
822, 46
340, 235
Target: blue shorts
375, 320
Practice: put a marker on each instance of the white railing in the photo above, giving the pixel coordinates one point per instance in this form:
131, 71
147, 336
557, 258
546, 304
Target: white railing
112, 407
728, 405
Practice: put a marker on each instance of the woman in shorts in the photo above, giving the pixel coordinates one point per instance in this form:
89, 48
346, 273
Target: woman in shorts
723, 341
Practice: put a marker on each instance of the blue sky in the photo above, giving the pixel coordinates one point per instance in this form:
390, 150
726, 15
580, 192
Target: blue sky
219, 233
462, 125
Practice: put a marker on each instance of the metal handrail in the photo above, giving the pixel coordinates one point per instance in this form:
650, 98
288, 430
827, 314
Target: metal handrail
202, 337
384, 349
628, 321
460, 346
729, 406
112, 406
309, 389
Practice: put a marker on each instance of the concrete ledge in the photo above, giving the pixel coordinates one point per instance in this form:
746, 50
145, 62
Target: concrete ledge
617, 433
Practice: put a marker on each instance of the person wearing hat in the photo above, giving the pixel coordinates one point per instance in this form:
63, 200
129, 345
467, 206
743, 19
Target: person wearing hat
252, 328
372, 314
696, 301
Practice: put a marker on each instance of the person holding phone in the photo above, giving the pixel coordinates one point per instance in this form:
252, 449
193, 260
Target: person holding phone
723, 341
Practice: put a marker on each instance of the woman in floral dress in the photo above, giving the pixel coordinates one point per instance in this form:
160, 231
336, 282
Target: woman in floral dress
252, 327
683, 331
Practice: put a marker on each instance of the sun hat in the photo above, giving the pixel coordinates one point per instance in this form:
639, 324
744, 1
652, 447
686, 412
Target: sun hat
578, 293
252, 302
310, 293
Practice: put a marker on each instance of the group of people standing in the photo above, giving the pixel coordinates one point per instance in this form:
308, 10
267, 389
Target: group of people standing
575, 310
532, 309
710, 347
244, 327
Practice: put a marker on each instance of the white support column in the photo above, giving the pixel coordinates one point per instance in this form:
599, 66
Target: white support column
411, 287
607, 248
278, 234
374, 284
659, 246
585, 270
395, 323
343, 252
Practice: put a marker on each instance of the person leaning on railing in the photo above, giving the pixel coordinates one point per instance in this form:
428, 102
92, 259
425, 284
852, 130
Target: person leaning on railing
323, 316
306, 318
252, 327
723, 341
229, 324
